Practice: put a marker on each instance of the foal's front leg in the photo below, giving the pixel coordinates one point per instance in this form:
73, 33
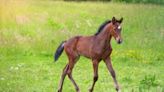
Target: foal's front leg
95, 78
112, 72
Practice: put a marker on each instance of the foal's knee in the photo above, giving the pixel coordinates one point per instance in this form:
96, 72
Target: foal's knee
95, 78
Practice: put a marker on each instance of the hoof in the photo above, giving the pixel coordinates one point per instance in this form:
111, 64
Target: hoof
78, 90
118, 90
59, 90
90, 90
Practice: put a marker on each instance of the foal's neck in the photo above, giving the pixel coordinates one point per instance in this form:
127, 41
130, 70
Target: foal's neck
105, 35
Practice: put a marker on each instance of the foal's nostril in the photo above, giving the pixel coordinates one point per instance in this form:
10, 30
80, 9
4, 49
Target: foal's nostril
119, 41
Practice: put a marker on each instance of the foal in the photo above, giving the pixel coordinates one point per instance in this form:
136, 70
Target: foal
96, 47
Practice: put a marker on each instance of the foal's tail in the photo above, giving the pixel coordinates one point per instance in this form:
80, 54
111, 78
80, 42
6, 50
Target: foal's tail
59, 51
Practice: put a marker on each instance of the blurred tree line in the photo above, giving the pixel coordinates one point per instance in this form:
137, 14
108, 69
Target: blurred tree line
128, 1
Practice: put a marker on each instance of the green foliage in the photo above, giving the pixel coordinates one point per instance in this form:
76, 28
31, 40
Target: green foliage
149, 81
87, 0
30, 32
142, 1
161, 2
52, 24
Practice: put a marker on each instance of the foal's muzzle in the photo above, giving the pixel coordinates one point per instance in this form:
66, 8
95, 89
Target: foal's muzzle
119, 41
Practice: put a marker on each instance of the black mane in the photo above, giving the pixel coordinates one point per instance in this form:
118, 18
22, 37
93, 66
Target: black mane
102, 26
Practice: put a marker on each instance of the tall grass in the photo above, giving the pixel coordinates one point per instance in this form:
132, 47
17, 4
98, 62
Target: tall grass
161, 2
30, 31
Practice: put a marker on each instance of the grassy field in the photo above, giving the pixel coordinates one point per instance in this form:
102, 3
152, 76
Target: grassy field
30, 32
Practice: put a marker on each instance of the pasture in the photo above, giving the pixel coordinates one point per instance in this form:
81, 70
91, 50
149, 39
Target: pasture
30, 32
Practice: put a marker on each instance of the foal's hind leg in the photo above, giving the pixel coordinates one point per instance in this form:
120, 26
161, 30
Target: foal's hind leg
62, 78
95, 78
72, 62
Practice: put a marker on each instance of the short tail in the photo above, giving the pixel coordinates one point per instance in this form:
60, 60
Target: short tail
59, 51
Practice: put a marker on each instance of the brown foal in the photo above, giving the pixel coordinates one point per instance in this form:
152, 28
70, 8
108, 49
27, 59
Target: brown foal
96, 47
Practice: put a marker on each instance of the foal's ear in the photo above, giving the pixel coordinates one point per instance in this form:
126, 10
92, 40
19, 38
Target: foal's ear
120, 21
113, 20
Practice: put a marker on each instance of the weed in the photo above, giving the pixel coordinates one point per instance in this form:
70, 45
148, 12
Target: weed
149, 81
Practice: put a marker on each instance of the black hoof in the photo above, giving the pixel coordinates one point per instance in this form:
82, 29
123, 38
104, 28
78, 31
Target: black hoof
117, 89
77, 90
59, 91
90, 90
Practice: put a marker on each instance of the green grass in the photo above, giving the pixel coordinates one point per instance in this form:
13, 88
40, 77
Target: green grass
30, 32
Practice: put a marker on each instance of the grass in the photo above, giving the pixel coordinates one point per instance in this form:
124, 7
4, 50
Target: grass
30, 31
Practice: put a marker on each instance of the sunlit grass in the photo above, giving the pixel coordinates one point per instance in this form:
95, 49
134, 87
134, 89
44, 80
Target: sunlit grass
30, 31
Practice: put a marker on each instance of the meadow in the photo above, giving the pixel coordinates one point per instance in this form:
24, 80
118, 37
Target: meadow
30, 32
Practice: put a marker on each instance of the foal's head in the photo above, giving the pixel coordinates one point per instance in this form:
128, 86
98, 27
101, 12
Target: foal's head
116, 29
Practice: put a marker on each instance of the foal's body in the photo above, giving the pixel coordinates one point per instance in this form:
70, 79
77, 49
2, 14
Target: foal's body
96, 47
89, 46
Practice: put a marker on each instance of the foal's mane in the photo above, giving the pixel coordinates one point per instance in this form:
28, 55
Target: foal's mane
102, 26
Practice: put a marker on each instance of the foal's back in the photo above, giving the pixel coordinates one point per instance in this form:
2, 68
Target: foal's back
80, 45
